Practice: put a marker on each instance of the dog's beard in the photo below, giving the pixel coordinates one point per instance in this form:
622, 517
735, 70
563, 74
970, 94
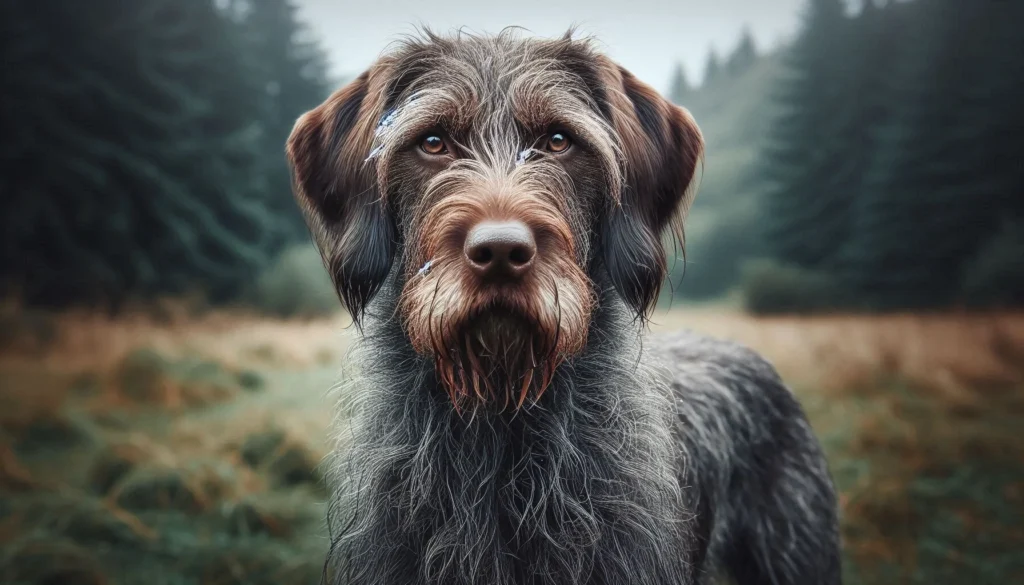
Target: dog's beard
498, 358
491, 347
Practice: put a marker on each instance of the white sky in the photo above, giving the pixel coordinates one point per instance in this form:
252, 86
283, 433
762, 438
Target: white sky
645, 36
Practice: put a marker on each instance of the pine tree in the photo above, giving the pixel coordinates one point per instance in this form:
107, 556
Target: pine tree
678, 88
132, 169
712, 68
940, 182
806, 219
744, 56
895, 167
289, 69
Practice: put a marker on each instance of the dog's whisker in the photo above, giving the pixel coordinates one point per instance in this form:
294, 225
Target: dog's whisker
475, 368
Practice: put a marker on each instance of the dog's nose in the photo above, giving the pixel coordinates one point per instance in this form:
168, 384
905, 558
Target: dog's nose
500, 250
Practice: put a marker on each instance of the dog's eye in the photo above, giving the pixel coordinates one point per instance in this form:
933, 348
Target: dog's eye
558, 142
433, 144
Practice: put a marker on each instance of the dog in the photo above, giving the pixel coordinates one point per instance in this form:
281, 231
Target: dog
491, 210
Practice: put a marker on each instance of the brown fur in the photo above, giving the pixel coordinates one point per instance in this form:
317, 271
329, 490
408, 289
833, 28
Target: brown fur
368, 195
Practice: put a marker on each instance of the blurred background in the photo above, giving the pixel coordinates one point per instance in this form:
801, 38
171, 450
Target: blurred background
168, 334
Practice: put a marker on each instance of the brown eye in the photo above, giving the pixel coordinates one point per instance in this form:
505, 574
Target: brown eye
558, 142
433, 144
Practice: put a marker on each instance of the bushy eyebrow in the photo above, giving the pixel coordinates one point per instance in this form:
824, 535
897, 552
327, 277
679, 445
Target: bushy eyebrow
539, 106
402, 123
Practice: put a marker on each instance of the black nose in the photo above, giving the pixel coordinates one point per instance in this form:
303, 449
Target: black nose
500, 250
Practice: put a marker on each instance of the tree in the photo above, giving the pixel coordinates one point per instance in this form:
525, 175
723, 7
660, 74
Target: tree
895, 171
289, 70
744, 56
941, 163
805, 213
712, 68
679, 88
131, 167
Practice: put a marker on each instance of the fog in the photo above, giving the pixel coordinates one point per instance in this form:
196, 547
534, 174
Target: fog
646, 36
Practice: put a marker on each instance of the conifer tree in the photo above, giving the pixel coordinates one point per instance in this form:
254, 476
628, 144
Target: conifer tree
131, 166
712, 68
744, 56
805, 219
895, 168
678, 88
290, 72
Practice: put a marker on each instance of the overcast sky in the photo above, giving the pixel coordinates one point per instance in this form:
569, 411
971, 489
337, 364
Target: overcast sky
646, 36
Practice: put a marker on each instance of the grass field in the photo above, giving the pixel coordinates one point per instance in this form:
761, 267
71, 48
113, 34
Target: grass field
177, 450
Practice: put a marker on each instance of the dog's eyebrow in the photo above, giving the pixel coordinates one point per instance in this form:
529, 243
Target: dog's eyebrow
401, 121
422, 110
387, 122
567, 109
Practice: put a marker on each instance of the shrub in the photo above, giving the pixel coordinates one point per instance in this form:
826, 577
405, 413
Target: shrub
770, 287
295, 285
716, 250
995, 277
146, 376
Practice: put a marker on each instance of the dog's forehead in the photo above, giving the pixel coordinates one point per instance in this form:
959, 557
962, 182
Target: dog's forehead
533, 80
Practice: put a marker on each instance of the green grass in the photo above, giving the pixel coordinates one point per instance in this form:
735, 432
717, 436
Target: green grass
155, 491
930, 493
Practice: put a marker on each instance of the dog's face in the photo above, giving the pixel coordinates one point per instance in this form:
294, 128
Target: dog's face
507, 178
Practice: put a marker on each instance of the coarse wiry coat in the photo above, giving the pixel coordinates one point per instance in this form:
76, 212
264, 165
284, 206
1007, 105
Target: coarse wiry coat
651, 462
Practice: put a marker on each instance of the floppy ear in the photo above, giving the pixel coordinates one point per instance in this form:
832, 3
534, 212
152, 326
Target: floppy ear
338, 193
662, 147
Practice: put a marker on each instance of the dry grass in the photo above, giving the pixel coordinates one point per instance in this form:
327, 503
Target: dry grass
215, 425
121, 449
921, 417
86, 341
944, 351
838, 351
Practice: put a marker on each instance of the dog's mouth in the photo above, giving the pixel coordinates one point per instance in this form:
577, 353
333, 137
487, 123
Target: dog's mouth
501, 358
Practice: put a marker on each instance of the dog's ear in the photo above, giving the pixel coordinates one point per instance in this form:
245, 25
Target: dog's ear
338, 193
662, 148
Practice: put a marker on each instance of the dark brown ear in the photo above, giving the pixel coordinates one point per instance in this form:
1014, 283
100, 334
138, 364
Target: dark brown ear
338, 193
662, 147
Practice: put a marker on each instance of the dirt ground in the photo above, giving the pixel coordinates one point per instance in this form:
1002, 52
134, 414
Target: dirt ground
173, 449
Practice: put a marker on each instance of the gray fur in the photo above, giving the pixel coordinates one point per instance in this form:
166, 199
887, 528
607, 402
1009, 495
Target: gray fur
659, 461
761, 480
649, 462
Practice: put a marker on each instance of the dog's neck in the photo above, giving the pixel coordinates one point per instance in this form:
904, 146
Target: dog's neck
545, 494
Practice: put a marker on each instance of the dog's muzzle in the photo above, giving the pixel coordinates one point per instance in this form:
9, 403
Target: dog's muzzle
495, 294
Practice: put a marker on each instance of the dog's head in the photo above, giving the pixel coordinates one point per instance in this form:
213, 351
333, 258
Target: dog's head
508, 178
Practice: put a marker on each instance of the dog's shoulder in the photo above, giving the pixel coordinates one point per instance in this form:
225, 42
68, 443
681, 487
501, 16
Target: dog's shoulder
720, 376
732, 404
691, 353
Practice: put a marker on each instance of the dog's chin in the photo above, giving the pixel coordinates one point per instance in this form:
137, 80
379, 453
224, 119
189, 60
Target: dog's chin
498, 332
502, 360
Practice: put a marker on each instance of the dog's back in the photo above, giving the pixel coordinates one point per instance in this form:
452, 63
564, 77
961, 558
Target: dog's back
758, 479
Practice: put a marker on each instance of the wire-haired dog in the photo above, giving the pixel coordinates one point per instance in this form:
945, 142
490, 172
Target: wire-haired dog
491, 210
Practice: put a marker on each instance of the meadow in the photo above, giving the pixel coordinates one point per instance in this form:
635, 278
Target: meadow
168, 448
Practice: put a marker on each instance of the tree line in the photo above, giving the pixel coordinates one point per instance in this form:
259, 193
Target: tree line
143, 145
743, 56
142, 152
893, 173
